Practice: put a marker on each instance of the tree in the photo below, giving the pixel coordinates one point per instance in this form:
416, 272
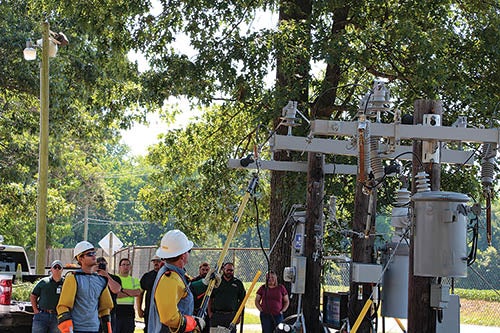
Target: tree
225, 70
94, 92
188, 188
409, 44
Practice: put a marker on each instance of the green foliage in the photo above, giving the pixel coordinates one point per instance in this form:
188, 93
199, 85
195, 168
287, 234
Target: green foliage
229, 70
192, 190
22, 291
408, 44
94, 91
475, 294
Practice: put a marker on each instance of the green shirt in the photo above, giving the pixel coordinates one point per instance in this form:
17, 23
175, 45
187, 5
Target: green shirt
228, 296
128, 282
48, 291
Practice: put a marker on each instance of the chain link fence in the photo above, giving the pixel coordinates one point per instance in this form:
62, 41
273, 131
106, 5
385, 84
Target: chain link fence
336, 276
248, 260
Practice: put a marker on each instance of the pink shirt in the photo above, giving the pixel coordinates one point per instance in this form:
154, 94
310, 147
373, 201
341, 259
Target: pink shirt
272, 298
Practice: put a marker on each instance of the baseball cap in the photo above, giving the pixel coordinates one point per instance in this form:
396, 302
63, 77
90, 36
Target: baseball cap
56, 262
155, 257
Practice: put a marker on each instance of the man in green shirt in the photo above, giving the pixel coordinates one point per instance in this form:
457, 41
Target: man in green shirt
226, 299
44, 299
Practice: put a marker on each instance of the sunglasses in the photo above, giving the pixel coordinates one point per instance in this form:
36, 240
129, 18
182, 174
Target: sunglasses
57, 267
89, 254
229, 270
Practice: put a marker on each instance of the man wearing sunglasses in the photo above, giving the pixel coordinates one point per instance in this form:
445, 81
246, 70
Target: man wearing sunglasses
85, 301
226, 299
44, 299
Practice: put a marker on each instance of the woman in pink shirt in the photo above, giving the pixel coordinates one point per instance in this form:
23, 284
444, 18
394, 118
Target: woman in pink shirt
272, 301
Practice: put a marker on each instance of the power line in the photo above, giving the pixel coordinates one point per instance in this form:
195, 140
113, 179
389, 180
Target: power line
106, 222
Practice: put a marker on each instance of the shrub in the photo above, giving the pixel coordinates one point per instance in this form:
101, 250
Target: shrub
475, 294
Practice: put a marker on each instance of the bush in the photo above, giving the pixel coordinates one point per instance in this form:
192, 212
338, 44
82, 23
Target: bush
475, 294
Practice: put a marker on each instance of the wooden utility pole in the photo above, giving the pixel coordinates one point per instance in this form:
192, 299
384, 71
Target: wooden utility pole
314, 240
421, 317
362, 252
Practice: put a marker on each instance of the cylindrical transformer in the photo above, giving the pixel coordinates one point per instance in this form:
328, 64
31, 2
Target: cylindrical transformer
440, 234
395, 283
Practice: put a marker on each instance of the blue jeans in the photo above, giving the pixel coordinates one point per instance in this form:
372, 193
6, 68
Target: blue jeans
44, 322
269, 322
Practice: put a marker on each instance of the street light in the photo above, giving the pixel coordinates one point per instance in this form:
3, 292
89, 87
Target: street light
48, 44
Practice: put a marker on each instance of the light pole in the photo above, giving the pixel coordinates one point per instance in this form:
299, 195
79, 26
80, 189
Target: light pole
49, 48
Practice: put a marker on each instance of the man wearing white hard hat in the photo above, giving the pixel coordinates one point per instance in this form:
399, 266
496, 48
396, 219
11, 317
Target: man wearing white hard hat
172, 303
85, 301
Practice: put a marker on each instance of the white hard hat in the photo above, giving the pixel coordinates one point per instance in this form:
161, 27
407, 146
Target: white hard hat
173, 243
82, 247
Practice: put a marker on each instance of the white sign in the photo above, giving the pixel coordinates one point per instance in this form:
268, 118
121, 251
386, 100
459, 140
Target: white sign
110, 243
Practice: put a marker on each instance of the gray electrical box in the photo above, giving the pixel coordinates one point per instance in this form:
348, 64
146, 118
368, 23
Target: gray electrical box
395, 284
440, 296
366, 273
450, 321
299, 285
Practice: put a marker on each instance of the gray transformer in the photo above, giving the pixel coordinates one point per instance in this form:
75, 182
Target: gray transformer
440, 234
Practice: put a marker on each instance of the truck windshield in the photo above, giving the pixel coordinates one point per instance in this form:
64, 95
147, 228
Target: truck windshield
9, 261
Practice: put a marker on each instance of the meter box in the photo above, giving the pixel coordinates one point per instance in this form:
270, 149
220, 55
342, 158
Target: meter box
366, 273
334, 308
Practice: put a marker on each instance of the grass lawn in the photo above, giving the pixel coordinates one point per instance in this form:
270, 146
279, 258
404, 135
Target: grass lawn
474, 310
478, 312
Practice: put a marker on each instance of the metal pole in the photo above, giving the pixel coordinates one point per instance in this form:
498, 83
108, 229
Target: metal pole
43, 159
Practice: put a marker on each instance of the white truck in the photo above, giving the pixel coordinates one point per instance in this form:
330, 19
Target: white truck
15, 316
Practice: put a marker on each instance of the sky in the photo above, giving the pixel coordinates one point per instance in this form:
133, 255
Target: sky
140, 137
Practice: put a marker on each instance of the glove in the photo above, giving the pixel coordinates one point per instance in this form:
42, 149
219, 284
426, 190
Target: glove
211, 276
194, 324
66, 326
65, 323
200, 323
106, 324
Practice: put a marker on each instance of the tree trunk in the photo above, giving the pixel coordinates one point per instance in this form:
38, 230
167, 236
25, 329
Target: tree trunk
314, 240
292, 77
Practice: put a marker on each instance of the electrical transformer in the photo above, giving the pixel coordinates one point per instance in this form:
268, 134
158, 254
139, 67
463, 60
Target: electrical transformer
440, 234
